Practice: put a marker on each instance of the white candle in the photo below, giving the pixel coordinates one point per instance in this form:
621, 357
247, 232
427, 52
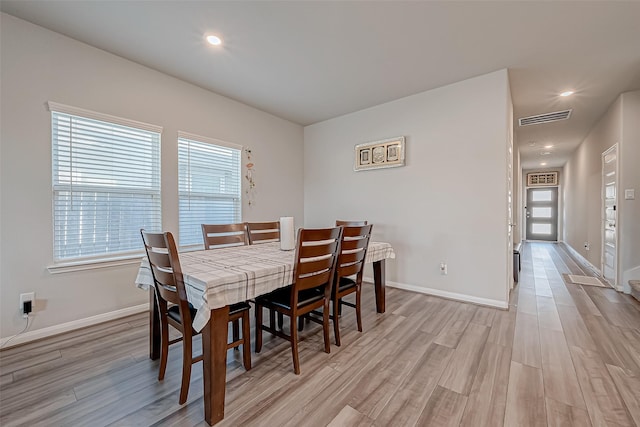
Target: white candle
287, 233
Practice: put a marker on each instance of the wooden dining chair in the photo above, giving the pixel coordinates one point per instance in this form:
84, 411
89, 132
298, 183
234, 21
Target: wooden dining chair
263, 232
349, 223
314, 270
174, 308
353, 251
217, 236
224, 235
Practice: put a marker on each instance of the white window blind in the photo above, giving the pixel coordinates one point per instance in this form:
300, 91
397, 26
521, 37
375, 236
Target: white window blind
209, 185
106, 185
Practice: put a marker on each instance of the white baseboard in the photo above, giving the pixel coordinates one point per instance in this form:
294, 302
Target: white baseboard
582, 259
445, 294
71, 326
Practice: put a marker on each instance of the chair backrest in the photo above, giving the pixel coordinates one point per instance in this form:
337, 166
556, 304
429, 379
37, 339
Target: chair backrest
165, 269
224, 235
353, 251
316, 257
263, 232
349, 223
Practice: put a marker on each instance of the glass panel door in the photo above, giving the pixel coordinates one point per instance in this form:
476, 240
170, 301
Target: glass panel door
542, 213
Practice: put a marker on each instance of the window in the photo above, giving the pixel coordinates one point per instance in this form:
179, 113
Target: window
542, 196
542, 178
106, 183
208, 185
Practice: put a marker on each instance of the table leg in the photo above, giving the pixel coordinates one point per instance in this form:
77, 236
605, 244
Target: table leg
214, 364
154, 327
379, 282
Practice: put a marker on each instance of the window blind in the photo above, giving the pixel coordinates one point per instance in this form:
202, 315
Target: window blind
106, 186
209, 187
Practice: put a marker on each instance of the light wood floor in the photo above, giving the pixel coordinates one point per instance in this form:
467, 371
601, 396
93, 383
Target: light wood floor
562, 355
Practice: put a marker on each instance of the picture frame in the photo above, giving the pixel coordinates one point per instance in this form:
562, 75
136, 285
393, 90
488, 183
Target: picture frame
387, 153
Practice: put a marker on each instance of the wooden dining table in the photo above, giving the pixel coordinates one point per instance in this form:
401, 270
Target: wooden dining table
214, 279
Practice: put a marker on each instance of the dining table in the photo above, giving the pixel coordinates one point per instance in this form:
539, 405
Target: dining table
215, 279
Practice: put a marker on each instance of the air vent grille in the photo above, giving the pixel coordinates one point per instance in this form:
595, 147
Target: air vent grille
545, 118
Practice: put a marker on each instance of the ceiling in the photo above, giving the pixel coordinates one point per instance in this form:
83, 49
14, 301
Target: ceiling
309, 61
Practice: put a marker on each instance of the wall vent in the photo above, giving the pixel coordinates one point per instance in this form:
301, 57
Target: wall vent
545, 118
542, 178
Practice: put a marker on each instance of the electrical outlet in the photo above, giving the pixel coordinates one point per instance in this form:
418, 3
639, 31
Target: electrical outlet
29, 296
443, 268
586, 245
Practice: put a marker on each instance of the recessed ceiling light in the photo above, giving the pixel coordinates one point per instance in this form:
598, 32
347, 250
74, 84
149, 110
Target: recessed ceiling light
543, 164
567, 93
548, 146
545, 153
214, 40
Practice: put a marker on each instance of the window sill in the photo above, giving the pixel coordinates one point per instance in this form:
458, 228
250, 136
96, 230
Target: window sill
92, 264
191, 248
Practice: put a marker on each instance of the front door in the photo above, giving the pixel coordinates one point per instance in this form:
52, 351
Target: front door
542, 213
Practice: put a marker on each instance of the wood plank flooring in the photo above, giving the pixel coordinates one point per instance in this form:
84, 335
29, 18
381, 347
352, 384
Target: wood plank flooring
562, 355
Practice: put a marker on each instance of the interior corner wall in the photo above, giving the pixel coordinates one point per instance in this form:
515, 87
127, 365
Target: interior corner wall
448, 204
37, 66
629, 212
583, 186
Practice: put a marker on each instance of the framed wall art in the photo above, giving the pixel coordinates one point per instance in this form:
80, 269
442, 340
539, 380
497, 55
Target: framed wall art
388, 153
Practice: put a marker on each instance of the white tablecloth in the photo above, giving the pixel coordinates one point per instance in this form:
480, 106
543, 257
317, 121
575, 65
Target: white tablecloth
219, 277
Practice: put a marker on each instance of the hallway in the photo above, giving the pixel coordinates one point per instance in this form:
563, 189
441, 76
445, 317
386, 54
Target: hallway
576, 349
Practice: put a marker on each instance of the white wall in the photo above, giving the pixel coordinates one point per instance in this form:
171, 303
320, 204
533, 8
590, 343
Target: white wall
447, 204
583, 186
39, 66
583, 198
629, 215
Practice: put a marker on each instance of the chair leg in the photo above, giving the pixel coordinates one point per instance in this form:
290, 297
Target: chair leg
164, 348
272, 319
187, 353
325, 326
236, 331
294, 348
336, 316
258, 328
246, 341
280, 321
300, 323
358, 311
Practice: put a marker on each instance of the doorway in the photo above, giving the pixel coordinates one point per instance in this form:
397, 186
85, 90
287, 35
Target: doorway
609, 214
542, 214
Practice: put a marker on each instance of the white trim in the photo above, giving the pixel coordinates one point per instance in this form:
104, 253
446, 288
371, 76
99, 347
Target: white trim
199, 138
92, 264
191, 248
615, 148
73, 325
76, 111
444, 294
